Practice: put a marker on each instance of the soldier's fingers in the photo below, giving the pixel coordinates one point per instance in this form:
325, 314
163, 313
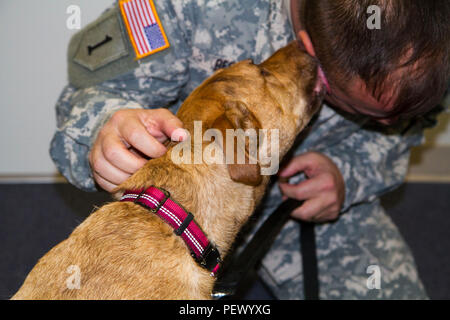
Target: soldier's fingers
135, 134
105, 185
173, 128
297, 164
330, 213
322, 217
304, 190
163, 124
120, 156
308, 210
106, 170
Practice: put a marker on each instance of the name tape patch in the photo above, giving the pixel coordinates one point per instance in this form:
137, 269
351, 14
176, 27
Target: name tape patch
144, 27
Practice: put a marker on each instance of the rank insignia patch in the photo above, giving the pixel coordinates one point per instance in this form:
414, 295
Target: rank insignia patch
144, 27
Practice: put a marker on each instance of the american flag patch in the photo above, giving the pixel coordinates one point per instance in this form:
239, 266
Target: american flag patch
144, 27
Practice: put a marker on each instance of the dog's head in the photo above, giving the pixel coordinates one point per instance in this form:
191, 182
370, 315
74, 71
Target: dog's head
292, 79
281, 94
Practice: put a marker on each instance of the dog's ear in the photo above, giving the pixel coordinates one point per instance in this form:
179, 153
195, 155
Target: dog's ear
238, 116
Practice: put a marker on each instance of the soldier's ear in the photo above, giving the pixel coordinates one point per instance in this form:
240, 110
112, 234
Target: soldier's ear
307, 43
238, 116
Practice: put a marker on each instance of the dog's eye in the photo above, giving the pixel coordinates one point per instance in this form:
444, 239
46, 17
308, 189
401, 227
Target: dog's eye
265, 72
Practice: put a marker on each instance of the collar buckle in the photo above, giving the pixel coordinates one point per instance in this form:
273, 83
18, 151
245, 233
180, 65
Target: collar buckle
210, 259
161, 203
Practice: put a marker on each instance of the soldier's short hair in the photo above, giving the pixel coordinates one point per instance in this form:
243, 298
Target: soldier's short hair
408, 54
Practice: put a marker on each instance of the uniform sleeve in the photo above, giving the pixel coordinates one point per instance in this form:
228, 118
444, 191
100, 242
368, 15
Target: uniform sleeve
374, 161
81, 110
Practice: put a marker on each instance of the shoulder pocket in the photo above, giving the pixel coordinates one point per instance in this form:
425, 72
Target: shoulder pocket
100, 51
101, 43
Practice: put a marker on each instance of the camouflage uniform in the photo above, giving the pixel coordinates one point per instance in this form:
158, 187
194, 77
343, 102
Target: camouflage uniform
207, 35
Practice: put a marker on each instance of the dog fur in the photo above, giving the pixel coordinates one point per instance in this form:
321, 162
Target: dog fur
125, 252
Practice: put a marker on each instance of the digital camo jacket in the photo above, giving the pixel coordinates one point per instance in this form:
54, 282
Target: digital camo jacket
205, 36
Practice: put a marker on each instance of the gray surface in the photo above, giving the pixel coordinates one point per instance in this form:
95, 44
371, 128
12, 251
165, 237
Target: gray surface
33, 218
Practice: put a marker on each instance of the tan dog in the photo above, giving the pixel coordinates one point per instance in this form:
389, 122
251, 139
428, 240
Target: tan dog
125, 252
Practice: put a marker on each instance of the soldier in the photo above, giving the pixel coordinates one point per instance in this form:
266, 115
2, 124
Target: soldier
126, 82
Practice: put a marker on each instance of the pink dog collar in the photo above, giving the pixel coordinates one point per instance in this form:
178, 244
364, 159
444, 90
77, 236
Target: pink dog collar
158, 201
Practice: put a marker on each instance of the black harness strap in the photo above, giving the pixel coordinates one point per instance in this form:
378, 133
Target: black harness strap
309, 260
240, 269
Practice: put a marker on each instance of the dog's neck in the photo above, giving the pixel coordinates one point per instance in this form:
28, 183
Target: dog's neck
198, 190
220, 205
222, 216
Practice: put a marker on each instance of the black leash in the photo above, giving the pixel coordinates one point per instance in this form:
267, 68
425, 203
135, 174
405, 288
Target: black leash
309, 260
240, 269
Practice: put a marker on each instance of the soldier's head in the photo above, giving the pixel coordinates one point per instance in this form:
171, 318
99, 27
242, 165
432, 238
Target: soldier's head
391, 68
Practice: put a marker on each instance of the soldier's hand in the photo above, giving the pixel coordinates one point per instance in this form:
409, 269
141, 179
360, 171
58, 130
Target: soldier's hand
323, 191
125, 141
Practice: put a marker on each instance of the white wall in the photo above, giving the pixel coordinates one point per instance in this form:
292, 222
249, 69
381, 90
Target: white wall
34, 39
33, 71
440, 135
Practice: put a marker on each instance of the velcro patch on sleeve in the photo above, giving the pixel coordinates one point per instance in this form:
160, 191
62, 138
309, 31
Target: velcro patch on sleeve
144, 27
101, 43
